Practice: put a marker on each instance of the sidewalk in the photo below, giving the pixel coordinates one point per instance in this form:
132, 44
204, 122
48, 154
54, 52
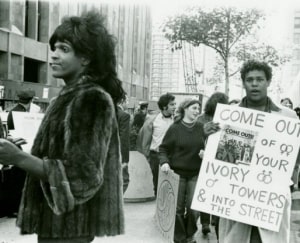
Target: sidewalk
140, 227
295, 217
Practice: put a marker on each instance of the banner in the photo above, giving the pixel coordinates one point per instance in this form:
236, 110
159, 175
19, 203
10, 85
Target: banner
166, 201
247, 166
26, 126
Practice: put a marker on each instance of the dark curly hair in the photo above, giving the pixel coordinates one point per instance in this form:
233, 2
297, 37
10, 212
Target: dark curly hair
213, 100
90, 39
164, 100
252, 65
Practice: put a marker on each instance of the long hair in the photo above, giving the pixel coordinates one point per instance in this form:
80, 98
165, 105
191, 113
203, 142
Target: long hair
91, 40
183, 105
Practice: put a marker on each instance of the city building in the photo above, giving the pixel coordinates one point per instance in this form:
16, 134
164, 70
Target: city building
295, 62
166, 66
293, 76
25, 28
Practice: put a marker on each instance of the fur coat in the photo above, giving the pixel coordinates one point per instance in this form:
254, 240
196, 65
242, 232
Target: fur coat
79, 144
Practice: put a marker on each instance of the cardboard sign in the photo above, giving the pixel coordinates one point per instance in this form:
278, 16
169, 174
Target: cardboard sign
26, 126
166, 201
247, 166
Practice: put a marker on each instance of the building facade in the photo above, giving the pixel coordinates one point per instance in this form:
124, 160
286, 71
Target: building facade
296, 43
290, 76
166, 66
26, 26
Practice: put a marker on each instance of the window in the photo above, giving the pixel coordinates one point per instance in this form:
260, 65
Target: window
296, 38
4, 64
133, 90
145, 93
296, 54
121, 35
30, 19
31, 70
297, 22
295, 69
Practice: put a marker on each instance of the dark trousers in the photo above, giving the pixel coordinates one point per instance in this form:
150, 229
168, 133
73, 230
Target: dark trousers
215, 221
154, 165
125, 178
11, 186
186, 218
255, 236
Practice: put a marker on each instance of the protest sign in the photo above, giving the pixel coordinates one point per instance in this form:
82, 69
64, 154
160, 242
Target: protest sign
166, 201
26, 126
247, 166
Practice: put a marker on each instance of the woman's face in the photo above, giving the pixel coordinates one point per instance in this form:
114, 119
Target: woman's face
65, 64
191, 113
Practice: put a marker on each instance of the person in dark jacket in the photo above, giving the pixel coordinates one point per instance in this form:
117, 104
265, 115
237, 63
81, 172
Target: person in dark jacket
73, 191
5, 179
140, 116
25, 100
124, 132
15, 177
208, 115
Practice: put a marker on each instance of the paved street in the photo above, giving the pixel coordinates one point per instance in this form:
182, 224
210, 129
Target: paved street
140, 227
295, 218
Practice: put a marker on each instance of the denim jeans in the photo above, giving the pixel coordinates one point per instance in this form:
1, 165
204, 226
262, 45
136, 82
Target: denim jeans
186, 218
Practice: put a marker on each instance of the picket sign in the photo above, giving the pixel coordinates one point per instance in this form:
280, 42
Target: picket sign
247, 166
26, 126
166, 201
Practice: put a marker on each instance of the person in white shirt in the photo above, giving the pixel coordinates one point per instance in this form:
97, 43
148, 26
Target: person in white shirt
153, 132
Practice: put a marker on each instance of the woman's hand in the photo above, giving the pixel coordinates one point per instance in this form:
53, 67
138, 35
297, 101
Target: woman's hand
8, 151
165, 168
211, 127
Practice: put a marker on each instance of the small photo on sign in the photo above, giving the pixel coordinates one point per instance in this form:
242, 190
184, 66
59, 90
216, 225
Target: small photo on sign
236, 145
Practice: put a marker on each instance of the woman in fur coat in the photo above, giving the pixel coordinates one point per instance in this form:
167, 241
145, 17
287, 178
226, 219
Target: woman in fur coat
73, 191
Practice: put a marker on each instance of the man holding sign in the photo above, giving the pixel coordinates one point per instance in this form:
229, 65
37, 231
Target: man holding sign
244, 159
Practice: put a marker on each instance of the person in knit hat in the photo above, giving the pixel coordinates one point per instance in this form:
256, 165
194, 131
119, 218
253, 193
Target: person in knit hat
182, 156
24, 105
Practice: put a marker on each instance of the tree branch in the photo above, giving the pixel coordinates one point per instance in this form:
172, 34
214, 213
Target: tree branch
220, 51
234, 73
235, 41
